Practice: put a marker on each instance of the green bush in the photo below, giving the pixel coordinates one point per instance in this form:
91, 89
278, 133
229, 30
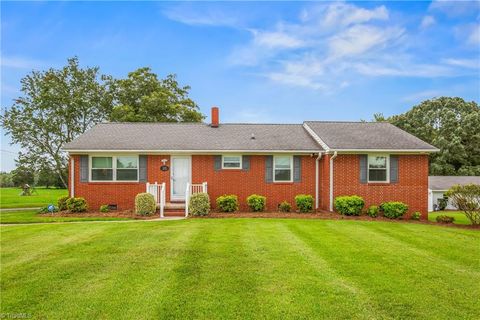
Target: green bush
284, 207
394, 209
256, 202
445, 219
104, 208
304, 202
77, 205
145, 204
199, 204
227, 203
62, 203
349, 205
373, 211
416, 215
45, 209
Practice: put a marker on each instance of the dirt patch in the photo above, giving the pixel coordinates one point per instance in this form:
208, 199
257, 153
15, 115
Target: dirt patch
326, 216
96, 214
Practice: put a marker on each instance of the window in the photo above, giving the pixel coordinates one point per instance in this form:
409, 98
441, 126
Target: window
102, 169
127, 168
378, 168
282, 168
231, 162
115, 168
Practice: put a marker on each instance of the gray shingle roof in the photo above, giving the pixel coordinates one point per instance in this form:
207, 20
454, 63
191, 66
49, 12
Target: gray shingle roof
194, 136
445, 182
365, 136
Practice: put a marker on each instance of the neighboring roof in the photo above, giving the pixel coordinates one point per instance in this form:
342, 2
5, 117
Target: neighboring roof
442, 183
195, 137
354, 136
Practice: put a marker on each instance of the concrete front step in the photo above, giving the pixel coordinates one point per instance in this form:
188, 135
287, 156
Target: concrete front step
175, 206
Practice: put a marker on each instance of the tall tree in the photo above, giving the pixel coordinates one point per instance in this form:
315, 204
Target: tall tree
56, 106
450, 124
142, 97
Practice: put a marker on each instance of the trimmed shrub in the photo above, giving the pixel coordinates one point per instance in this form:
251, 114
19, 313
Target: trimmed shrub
62, 203
445, 219
199, 204
394, 209
227, 203
349, 205
373, 211
416, 215
284, 207
442, 203
104, 208
256, 202
145, 204
304, 202
77, 205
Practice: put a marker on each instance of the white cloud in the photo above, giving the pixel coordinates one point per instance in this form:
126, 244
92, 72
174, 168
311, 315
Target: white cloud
422, 95
209, 16
427, 21
455, 8
17, 62
276, 40
474, 36
464, 63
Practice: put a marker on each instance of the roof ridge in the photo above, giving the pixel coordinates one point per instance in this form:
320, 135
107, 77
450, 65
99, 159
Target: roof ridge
206, 124
335, 121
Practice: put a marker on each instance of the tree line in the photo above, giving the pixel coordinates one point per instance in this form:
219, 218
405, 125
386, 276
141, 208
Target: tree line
57, 105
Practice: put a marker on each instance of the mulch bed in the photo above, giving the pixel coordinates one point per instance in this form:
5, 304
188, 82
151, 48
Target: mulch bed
96, 214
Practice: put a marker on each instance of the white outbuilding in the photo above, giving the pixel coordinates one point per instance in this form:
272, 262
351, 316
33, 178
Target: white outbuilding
438, 185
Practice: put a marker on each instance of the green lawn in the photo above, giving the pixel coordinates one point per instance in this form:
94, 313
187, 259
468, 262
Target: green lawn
240, 268
31, 216
459, 216
10, 197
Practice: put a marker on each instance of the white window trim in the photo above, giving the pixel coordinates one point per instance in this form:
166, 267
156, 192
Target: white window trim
387, 156
114, 167
232, 155
291, 169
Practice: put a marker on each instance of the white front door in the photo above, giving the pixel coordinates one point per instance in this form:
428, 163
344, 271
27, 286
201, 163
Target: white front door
179, 176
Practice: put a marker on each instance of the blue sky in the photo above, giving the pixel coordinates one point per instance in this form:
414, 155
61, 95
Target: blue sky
259, 62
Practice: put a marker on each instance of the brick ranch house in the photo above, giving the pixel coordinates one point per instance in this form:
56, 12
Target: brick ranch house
113, 162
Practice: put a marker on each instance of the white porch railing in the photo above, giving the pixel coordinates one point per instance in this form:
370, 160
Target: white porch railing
158, 192
192, 189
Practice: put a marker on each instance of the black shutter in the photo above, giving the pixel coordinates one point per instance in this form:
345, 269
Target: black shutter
393, 169
142, 168
268, 169
83, 168
297, 168
217, 163
246, 163
363, 168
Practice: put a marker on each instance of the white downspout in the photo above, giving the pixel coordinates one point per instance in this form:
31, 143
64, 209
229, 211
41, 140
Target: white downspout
72, 178
331, 179
316, 179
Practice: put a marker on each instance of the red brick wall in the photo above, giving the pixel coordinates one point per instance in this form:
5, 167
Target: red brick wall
120, 193
245, 183
411, 188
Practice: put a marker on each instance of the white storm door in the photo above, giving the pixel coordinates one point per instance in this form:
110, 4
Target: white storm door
180, 175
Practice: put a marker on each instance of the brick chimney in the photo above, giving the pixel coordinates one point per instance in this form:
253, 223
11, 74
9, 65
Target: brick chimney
215, 117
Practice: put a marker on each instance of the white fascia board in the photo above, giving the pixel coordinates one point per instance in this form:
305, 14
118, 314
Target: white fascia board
316, 137
74, 151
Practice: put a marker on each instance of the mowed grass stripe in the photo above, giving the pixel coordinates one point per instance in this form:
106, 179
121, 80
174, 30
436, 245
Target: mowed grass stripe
214, 278
398, 277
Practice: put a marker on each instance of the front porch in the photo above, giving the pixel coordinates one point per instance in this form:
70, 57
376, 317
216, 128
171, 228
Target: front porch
179, 205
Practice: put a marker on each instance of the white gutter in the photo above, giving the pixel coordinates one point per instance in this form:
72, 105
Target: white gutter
387, 150
158, 151
72, 178
316, 179
331, 180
